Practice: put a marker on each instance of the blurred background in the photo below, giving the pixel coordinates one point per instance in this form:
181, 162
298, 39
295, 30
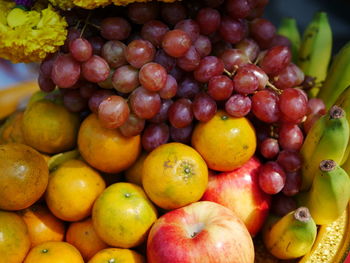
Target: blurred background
302, 10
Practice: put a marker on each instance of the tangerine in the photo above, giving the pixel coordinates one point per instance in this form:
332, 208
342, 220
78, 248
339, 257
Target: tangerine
110, 255
11, 130
134, 173
105, 149
83, 236
73, 188
49, 127
122, 215
42, 225
225, 142
14, 241
174, 175
54, 252
24, 176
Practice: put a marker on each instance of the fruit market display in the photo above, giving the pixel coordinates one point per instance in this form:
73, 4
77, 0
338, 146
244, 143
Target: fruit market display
170, 131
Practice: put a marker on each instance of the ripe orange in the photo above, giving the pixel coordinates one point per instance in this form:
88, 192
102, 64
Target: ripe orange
225, 142
134, 173
83, 236
54, 252
174, 175
122, 215
42, 225
105, 149
110, 255
50, 127
72, 190
23, 176
14, 238
11, 130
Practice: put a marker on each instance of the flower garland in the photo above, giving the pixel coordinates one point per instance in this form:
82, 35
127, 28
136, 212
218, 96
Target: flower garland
29, 35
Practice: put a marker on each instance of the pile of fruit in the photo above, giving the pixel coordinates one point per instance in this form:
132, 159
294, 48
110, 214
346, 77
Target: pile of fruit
175, 132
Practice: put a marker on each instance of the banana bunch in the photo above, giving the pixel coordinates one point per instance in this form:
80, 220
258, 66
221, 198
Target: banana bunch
338, 78
343, 101
329, 194
316, 50
289, 29
327, 139
291, 236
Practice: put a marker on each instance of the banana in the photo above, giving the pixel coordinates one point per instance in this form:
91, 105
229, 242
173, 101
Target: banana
11, 97
346, 165
289, 29
329, 194
343, 101
291, 236
329, 143
316, 49
338, 78
60, 158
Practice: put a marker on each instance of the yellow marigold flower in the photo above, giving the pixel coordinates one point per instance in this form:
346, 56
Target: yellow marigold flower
28, 36
62, 4
91, 4
126, 2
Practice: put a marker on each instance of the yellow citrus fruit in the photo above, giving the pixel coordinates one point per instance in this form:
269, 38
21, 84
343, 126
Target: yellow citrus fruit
83, 236
54, 96
72, 190
134, 173
42, 225
11, 130
23, 176
122, 215
110, 255
174, 175
50, 127
54, 252
14, 238
225, 142
105, 149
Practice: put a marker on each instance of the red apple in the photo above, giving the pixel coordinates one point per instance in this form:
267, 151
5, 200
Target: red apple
239, 191
202, 232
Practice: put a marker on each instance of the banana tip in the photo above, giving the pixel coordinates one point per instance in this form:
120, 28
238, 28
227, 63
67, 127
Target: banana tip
302, 214
327, 165
336, 112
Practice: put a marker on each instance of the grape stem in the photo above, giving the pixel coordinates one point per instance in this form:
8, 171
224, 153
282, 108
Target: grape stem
93, 25
228, 73
85, 24
273, 87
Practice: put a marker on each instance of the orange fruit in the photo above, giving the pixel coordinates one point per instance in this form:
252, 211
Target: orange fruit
14, 238
42, 225
50, 127
110, 255
23, 176
174, 175
105, 149
11, 130
225, 142
122, 215
73, 188
134, 173
54, 252
83, 236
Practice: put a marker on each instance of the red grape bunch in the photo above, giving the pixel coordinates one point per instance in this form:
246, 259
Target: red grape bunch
156, 69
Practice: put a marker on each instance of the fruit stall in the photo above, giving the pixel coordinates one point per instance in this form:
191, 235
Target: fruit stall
193, 131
